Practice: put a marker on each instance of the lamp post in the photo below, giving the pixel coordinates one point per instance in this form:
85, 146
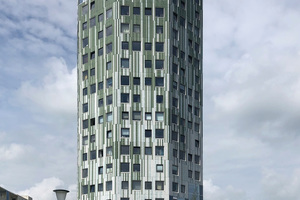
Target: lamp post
61, 194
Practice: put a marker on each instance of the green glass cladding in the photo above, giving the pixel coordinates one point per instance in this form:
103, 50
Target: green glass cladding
140, 99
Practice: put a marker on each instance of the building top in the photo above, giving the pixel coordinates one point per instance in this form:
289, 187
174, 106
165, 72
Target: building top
7, 195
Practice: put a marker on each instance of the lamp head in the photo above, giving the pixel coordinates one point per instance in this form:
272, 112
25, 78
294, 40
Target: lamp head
61, 194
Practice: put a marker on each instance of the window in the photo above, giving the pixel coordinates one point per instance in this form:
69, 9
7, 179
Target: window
100, 17
108, 134
174, 119
93, 22
159, 29
148, 185
85, 124
190, 174
197, 127
85, 58
196, 95
100, 102
124, 167
100, 51
174, 187
136, 185
108, 185
136, 115
84, 189
159, 46
136, 167
136, 10
93, 138
85, 42
159, 168
109, 100
136, 150
109, 30
197, 175
92, 5
182, 189
124, 149
175, 102
124, 97
84, 173
92, 121
159, 12
159, 64
148, 11
92, 88
124, 10
190, 157
182, 21
109, 151
100, 187
100, 153
125, 45
85, 107
84, 91
124, 185
159, 98
148, 116
85, 140
190, 108
197, 143
109, 83
175, 153
148, 150
190, 124
84, 26
175, 68
197, 159
125, 115
100, 85
84, 10
100, 34
148, 63
108, 48
136, 28
109, 168
148, 46
182, 89
182, 138
136, 46
124, 80
136, 98
175, 51
174, 136
124, 28
159, 150
148, 81
182, 155
136, 81
124, 63
92, 188
175, 169
109, 117
108, 65
84, 156
159, 81
190, 92
159, 185
159, 133
100, 170
93, 155
148, 133
124, 132
108, 13
159, 116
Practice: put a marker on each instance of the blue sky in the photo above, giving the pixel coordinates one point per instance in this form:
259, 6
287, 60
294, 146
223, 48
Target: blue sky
251, 98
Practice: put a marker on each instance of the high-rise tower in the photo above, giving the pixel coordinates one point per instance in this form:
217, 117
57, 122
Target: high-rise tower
140, 99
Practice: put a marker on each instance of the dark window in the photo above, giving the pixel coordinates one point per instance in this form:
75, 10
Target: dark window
84, 26
84, 91
136, 115
159, 81
148, 63
148, 116
182, 138
159, 185
136, 167
148, 150
136, 98
159, 150
85, 58
93, 155
85, 42
136, 81
124, 150
136, 45
109, 83
159, 98
182, 21
108, 185
197, 159
109, 99
182, 155
92, 188
100, 102
100, 17
109, 30
136, 185
197, 143
92, 55
197, 175
124, 28
84, 189
148, 11
159, 29
93, 22
175, 102
175, 68
175, 153
108, 65
109, 48
175, 169
125, 45
84, 156
108, 135
109, 152
124, 132
124, 167
174, 135
159, 12
100, 34
182, 189
100, 153
174, 187
159, 46
92, 5
136, 28
92, 88
159, 64
148, 133
100, 170
100, 85
159, 133
182, 89
85, 9
85, 140
100, 119
124, 10
124, 80
108, 13
148, 185
100, 187
85, 124
124, 97
93, 138
100, 52
125, 115
148, 81
190, 174
85, 107
124, 185
124, 63
148, 46
136, 10
190, 157
84, 173
136, 150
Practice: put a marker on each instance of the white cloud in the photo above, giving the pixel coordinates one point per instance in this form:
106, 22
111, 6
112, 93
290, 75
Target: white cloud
214, 192
13, 151
55, 93
44, 189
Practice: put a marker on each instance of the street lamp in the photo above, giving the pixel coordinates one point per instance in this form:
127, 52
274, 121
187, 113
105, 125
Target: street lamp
61, 194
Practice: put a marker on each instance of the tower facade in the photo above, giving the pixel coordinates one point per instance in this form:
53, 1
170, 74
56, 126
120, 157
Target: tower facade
140, 99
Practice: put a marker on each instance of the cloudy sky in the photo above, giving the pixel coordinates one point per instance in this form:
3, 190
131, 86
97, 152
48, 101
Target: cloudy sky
251, 98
